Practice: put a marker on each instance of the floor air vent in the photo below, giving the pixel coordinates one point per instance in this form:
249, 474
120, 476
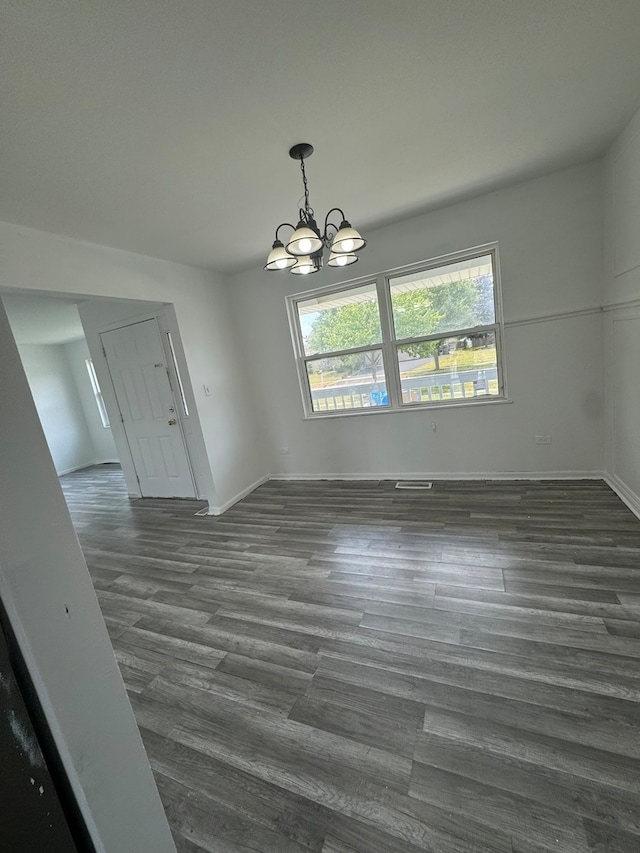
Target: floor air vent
413, 484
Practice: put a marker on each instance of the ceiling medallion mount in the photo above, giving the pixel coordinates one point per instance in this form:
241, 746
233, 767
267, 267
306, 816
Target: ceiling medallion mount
301, 151
303, 254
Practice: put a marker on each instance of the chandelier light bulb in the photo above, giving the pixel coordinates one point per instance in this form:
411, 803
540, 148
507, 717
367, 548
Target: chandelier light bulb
342, 259
304, 240
304, 266
279, 258
347, 239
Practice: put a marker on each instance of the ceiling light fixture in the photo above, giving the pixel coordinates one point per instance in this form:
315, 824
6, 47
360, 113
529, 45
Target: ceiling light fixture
303, 253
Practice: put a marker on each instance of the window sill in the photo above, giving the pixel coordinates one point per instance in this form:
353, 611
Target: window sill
383, 410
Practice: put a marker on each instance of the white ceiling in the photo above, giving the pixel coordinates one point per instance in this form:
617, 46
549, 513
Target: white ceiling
36, 319
162, 126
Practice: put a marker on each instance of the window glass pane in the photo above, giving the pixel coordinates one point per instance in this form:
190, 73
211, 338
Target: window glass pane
348, 381
454, 296
337, 321
102, 409
449, 369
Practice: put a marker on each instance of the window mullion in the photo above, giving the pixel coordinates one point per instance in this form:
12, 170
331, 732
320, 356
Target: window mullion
392, 373
442, 335
337, 353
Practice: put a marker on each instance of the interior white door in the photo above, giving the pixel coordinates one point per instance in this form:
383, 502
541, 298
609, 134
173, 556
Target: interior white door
138, 368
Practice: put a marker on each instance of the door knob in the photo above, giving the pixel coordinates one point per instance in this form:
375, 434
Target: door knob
172, 422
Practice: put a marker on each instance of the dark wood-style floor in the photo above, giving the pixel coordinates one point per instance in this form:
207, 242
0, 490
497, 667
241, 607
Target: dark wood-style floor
348, 668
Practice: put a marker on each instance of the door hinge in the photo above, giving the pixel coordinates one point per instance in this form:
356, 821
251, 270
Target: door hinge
104, 352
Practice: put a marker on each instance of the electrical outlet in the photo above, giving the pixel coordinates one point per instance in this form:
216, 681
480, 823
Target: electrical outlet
542, 439
284, 450
207, 391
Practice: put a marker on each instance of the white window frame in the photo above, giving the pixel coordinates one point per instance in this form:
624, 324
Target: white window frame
97, 393
389, 343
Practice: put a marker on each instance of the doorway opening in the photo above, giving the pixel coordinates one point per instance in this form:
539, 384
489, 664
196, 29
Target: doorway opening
110, 382
151, 413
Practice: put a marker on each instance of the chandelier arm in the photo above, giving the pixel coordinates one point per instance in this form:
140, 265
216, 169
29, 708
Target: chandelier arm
282, 224
306, 214
327, 225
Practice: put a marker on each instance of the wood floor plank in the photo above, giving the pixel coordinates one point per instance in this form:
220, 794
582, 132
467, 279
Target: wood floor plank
593, 605
623, 628
228, 723
601, 836
342, 667
551, 828
381, 671
262, 698
584, 796
171, 648
373, 726
217, 828
616, 664
299, 819
397, 817
264, 672
615, 770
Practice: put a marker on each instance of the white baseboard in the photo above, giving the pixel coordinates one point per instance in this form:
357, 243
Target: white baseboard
218, 510
626, 495
448, 475
78, 467
439, 475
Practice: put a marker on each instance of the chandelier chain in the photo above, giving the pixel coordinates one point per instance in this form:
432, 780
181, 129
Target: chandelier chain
306, 187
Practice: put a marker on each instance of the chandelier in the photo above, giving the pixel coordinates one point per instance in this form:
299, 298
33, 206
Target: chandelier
303, 253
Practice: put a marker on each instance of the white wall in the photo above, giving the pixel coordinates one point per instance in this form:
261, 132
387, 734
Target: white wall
50, 601
55, 394
104, 448
34, 260
621, 300
237, 342
550, 237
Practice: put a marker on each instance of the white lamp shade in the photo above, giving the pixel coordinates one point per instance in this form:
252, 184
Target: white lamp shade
347, 240
279, 258
303, 242
304, 266
341, 259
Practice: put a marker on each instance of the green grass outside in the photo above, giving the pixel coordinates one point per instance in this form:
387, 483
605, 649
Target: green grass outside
462, 359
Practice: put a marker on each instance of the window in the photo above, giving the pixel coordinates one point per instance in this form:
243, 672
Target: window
97, 393
428, 335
